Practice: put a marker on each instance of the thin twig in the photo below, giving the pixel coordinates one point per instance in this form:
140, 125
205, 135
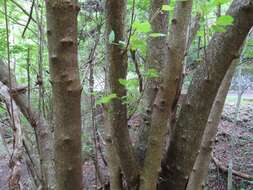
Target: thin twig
29, 19
131, 28
9, 62
20, 7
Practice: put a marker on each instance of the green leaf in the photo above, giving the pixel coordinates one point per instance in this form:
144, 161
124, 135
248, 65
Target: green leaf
167, 8
221, 2
200, 33
152, 73
143, 27
130, 84
218, 28
93, 93
138, 43
107, 99
111, 37
156, 35
225, 20
122, 44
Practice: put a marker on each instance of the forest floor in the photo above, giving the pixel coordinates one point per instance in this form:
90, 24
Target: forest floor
232, 141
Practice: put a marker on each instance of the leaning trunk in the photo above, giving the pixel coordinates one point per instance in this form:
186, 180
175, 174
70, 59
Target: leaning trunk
39, 123
15, 163
201, 94
200, 169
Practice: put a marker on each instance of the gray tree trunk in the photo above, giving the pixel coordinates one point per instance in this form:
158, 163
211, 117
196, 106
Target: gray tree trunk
206, 81
117, 111
66, 90
166, 93
200, 169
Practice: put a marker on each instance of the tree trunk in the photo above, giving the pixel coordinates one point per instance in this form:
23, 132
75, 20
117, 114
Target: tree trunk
36, 121
200, 169
201, 94
66, 90
117, 112
167, 90
156, 59
17, 154
112, 157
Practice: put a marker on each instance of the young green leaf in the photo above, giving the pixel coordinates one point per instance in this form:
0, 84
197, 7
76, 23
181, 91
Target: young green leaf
221, 2
106, 99
156, 35
152, 73
130, 84
143, 27
111, 37
225, 20
167, 8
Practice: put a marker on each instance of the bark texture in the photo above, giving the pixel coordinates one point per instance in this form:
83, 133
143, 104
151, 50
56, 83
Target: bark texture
156, 59
17, 152
66, 90
40, 125
112, 157
117, 112
200, 169
221, 51
166, 94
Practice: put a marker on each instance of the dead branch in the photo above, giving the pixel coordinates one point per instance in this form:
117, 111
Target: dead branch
223, 168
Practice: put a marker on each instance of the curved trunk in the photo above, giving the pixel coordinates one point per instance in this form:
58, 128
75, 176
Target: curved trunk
39, 123
202, 91
17, 154
200, 169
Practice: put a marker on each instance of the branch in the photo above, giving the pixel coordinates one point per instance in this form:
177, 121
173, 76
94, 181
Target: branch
193, 30
18, 23
234, 172
24, 11
137, 70
29, 19
37, 121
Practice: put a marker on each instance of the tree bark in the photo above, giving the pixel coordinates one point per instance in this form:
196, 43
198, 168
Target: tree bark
112, 157
17, 154
206, 81
167, 90
66, 90
117, 112
156, 59
39, 123
200, 169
